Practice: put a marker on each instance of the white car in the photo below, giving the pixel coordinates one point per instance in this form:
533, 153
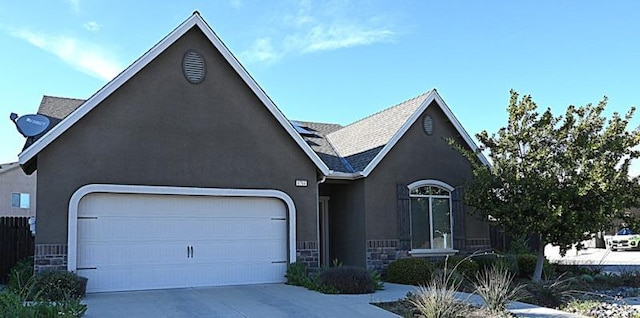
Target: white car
625, 239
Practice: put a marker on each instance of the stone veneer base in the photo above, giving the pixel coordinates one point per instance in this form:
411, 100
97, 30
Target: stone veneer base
50, 257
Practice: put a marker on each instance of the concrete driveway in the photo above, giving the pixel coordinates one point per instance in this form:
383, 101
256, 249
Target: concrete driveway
265, 301
271, 300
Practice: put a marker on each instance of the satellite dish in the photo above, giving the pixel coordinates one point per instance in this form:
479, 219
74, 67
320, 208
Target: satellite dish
31, 125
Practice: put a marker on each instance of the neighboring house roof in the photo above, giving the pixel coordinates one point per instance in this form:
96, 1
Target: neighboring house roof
27, 156
58, 107
4, 167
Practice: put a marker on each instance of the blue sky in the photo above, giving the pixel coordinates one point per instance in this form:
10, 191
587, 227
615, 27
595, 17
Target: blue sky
338, 61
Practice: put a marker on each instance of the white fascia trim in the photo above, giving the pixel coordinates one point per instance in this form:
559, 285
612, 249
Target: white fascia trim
438, 183
344, 175
74, 203
433, 96
149, 56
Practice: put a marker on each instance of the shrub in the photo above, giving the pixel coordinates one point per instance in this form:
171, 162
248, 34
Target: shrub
378, 284
22, 281
438, 300
526, 265
495, 287
60, 285
12, 306
347, 280
410, 271
297, 275
464, 266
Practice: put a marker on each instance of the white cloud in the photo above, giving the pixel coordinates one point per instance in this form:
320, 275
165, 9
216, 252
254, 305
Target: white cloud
84, 56
260, 51
74, 4
332, 37
92, 26
313, 28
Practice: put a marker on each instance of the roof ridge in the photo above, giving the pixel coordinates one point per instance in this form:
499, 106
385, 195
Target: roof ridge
388, 108
315, 122
64, 97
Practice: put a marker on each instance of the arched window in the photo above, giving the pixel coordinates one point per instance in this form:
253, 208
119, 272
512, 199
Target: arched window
431, 217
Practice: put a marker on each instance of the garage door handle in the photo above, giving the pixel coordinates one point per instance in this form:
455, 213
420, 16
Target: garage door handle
189, 251
191, 247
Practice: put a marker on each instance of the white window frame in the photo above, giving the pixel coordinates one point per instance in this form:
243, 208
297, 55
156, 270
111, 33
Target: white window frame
432, 251
24, 200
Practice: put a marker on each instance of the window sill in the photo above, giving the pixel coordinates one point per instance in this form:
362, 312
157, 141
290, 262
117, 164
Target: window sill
433, 252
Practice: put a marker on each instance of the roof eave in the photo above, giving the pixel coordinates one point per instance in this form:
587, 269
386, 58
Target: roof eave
336, 175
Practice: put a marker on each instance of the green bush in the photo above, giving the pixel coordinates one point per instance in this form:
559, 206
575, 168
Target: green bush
526, 265
297, 275
20, 275
12, 306
346, 280
464, 266
60, 285
488, 261
410, 271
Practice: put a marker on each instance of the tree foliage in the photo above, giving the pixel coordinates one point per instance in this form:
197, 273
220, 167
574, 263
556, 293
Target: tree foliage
560, 177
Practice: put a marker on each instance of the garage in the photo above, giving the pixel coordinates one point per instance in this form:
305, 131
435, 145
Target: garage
136, 241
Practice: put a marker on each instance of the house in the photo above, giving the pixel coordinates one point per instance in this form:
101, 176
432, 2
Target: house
17, 191
181, 172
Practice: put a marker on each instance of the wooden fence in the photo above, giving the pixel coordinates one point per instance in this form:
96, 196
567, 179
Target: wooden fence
16, 243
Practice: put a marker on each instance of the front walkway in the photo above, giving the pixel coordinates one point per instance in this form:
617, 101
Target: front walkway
272, 300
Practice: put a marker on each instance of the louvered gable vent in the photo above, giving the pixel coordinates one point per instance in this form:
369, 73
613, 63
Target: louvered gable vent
193, 67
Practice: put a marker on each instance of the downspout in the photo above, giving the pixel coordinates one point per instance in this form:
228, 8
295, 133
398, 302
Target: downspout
322, 180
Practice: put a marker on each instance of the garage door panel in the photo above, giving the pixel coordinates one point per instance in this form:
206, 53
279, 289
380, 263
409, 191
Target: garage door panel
136, 241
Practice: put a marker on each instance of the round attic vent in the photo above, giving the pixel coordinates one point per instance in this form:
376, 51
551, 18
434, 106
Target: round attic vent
193, 67
428, 125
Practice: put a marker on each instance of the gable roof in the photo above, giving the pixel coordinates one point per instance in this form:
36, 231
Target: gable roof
30, 153
4, 167
364, 143
58, 107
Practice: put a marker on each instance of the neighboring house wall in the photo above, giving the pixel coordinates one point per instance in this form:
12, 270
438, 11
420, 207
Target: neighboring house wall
158, 129
416, 156
14, 180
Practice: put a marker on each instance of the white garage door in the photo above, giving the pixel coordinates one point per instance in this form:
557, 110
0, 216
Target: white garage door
146, 241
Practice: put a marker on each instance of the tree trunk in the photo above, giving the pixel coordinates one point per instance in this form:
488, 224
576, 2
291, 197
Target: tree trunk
537, 274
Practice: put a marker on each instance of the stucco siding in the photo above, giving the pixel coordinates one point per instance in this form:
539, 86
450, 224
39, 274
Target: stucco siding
416, 156
159, 129
14, 180
346, 222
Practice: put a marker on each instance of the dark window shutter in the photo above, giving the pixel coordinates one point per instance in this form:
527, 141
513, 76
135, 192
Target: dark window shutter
457, 199
404, 219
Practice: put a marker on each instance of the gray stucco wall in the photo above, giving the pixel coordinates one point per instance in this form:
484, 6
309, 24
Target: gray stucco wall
14, 180
416, 156
346, 221
158, 129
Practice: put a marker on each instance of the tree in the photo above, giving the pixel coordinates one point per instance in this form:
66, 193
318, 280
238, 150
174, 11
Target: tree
560, 178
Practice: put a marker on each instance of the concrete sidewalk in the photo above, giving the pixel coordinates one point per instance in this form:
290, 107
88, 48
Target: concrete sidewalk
272, 300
